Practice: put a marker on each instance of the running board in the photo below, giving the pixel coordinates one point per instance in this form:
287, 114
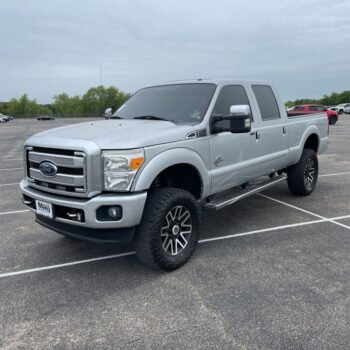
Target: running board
232, 196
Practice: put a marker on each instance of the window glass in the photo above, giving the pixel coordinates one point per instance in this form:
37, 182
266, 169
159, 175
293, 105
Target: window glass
180, 103
230, 95
299, 108
267, 102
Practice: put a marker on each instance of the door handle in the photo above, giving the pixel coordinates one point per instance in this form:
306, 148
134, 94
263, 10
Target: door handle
256, 133
284, 130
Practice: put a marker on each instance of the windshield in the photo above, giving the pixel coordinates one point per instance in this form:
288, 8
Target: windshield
179, 103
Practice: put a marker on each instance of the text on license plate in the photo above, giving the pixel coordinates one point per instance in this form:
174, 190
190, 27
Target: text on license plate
44, 208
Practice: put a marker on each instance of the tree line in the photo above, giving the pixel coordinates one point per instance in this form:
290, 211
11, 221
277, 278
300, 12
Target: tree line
91, 104
333, 99
97, 99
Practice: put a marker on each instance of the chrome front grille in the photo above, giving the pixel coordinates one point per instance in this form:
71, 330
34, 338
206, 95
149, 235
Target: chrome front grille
70, 178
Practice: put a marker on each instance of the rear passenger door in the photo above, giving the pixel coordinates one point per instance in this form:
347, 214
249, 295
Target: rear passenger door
273, 133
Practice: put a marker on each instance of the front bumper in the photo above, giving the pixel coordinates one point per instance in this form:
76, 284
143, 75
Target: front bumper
132, 205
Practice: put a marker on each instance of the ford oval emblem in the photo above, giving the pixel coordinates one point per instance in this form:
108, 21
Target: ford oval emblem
48, 168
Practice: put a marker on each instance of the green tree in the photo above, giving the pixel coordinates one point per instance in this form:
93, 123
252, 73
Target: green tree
65, 106
97, 99
328, 100
26, 108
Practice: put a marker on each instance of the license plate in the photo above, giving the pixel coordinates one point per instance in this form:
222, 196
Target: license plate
44, 209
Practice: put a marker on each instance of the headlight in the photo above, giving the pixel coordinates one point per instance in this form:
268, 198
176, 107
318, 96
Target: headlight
120, 168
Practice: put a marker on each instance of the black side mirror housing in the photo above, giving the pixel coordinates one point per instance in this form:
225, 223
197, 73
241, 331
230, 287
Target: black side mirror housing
239, 120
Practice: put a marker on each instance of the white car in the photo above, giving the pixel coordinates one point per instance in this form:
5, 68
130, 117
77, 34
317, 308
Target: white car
3, 119
332, 108
341, 108
347, 108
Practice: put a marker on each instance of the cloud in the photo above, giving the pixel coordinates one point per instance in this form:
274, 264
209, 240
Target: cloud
50, 47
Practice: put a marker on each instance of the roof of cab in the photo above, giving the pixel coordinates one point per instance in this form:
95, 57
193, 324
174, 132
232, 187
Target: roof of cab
213, 81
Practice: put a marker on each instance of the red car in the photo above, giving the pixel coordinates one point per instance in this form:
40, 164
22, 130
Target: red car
308, 109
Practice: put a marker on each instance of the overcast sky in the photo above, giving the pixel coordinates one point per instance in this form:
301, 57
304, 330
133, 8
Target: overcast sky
49, 46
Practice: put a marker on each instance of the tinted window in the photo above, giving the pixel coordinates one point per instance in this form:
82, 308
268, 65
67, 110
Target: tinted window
299, 108
266, 101
181, 103
230, 95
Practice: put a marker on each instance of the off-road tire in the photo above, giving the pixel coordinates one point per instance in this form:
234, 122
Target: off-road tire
333, 120
299, 182
148, 241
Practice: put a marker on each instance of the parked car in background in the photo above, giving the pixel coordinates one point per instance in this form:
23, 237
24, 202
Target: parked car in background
332, 108
9, 117
313, 108
341, 108
4, 118
45, 117
347, 108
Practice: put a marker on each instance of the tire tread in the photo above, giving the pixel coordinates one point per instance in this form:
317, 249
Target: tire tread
295, 173
146, 243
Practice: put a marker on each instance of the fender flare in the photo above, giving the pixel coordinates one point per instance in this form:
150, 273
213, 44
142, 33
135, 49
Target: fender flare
312, 129
167, 159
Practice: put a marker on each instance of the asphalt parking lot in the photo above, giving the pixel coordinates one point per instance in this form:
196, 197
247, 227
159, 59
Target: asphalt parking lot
271, 272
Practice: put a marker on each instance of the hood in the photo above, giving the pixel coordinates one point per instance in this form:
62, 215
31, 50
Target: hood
121, 134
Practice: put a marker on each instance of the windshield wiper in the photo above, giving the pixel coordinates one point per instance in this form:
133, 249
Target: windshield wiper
116, 117
151, 117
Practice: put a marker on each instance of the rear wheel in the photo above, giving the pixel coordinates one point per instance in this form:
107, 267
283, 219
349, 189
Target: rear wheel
302, 177
340, 111
169, 230
332, 120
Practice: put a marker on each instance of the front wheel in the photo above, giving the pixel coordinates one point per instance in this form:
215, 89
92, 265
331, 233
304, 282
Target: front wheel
169, 229
302, 177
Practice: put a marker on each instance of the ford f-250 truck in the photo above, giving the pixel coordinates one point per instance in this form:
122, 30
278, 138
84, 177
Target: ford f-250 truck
168, 152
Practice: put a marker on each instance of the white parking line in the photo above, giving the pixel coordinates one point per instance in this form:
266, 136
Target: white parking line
115, 256
15, 183
12, 159
304, 211
14, 212
262, 230
8, 169
78, 262
335, 174
327, 155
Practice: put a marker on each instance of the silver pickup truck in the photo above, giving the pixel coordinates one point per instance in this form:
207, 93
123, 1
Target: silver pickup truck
171, 150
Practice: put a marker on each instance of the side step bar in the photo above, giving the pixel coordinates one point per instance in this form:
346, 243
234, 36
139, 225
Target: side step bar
232, 196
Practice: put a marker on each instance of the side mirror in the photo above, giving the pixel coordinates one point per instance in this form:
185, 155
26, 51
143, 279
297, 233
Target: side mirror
240, 110
108, 113
238, 121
